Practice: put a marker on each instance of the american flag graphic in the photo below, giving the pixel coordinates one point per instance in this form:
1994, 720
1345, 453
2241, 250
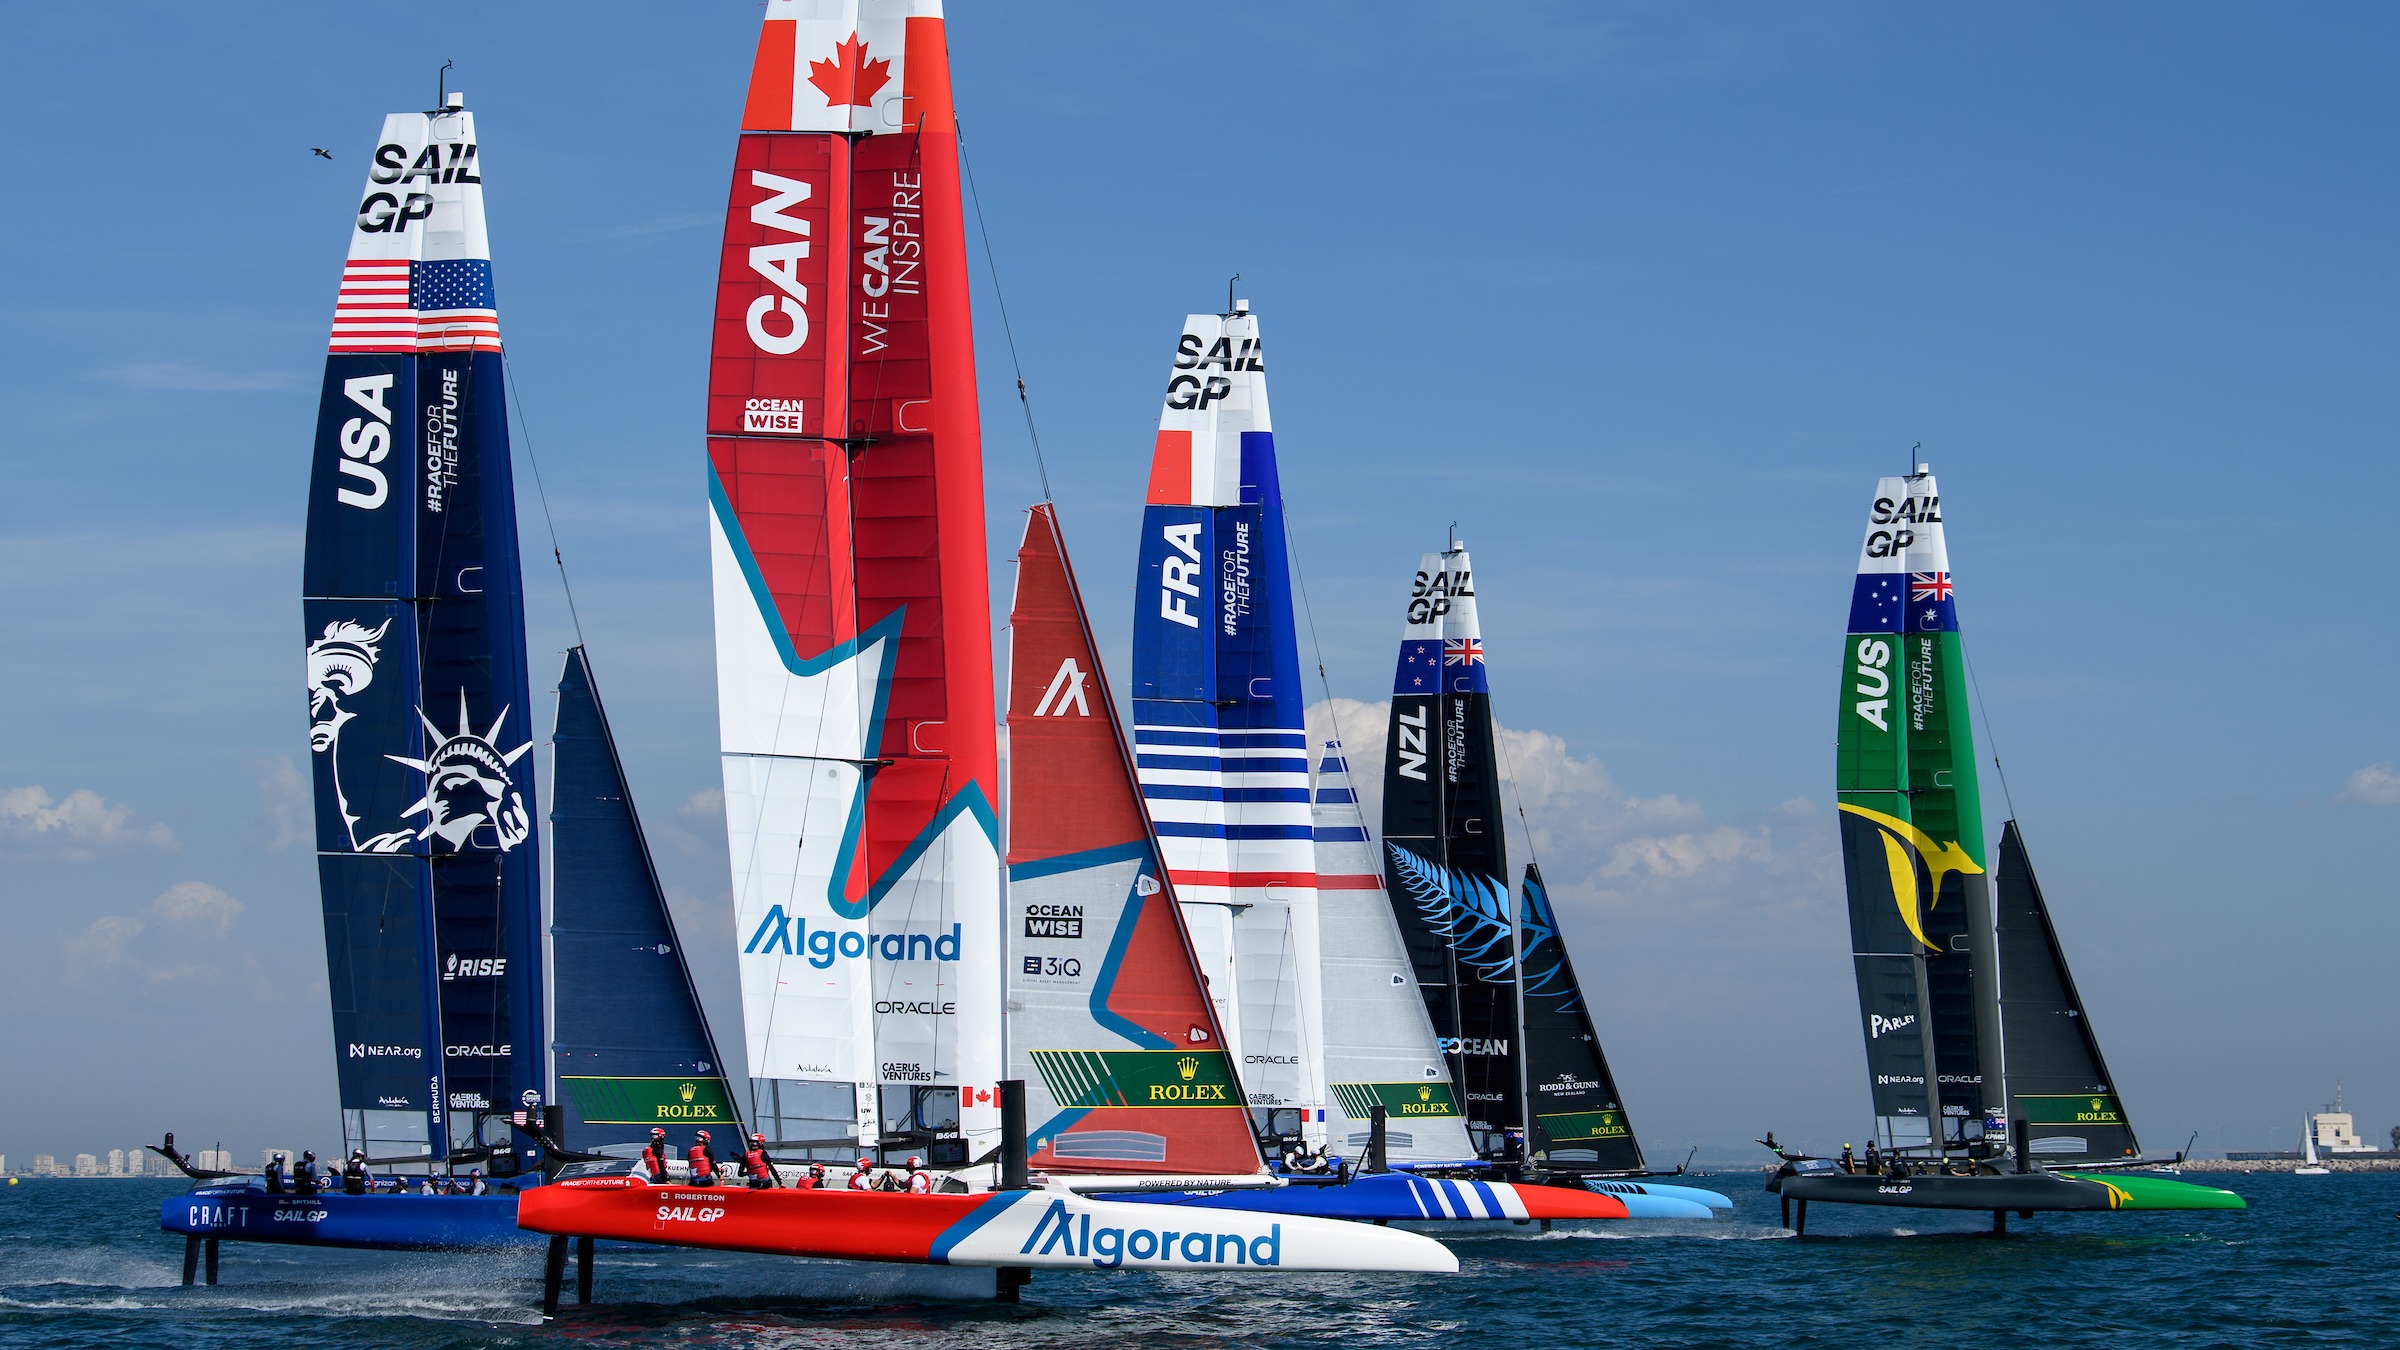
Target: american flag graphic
372, 312
1929, 585
453, 300
1462, 651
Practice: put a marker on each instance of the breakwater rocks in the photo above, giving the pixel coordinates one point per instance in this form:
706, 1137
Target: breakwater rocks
2391, 1164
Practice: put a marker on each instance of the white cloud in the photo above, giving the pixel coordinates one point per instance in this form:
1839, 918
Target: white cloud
283, 803
196, 902
77, 827
704, 809
2374, 785
186, 377
184, 946
1664, 857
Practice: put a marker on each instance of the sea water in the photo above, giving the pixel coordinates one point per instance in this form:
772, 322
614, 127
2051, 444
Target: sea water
2313, 1261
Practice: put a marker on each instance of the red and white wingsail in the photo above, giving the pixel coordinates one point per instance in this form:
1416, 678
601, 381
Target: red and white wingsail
852, 594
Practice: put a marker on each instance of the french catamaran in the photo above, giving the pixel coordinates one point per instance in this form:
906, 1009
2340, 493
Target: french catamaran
1276, 875
1989, 1089
858, 732
420, 731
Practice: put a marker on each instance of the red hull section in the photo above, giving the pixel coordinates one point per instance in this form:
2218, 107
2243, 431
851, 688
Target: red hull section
838, 1225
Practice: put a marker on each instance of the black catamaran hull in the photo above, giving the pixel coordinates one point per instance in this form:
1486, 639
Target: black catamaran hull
2025, 1192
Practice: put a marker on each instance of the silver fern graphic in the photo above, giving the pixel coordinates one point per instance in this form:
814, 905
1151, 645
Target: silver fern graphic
1471, 914
1542, 944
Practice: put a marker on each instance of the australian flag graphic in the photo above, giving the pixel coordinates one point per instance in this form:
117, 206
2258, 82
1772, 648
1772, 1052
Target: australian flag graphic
1877, 602
1932, 606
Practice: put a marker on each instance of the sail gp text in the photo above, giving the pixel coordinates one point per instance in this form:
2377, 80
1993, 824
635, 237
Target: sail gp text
1109, 1247
789, 935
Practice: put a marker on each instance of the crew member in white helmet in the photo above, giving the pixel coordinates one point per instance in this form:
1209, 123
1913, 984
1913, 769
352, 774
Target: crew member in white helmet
920, 1181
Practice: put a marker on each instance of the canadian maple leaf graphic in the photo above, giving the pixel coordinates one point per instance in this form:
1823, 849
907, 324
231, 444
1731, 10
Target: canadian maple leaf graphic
850, 79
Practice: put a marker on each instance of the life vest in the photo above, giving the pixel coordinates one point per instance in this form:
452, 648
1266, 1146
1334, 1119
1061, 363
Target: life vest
920, 1183
862, 1180
654, 1165
703, 1163
756, 1164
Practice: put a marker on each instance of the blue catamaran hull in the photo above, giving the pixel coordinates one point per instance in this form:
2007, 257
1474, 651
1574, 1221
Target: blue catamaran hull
246, 1213
1646, 1192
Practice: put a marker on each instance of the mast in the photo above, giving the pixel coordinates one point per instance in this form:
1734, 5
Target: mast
1126, 1068
419, 699
852, 594
1219, 714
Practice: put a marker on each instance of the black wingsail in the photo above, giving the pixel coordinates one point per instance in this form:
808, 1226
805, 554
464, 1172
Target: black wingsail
1578, 1121
1445, 864
2057, 1082
633, 1048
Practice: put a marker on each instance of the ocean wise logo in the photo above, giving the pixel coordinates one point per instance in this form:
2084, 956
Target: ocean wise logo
1904, 848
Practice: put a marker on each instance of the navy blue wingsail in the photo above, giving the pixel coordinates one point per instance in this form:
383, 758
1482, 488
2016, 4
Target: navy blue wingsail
633, 1048
420, 717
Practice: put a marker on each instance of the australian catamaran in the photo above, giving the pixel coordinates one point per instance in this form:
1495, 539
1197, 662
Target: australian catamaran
1988, 1085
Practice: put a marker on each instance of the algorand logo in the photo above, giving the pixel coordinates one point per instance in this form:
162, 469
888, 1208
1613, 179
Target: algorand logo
790, 935
1110, 1247
1905, 848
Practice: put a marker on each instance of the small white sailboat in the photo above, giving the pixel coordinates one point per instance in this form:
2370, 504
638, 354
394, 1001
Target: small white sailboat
2309, 1166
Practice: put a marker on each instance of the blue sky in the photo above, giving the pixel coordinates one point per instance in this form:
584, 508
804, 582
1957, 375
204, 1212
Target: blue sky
1643, 297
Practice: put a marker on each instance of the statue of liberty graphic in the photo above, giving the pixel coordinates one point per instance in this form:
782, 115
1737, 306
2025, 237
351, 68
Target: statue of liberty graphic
341, 664
467, 783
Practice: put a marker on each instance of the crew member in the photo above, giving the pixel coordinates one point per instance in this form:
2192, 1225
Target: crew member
1874, 1159
1850, 1164
304, 1177
354, 1173
815, 1180
475, 1184
755, 1163
703, 1160
426, 1187
275, 1175
920, 1181
655, 1155
862, 1177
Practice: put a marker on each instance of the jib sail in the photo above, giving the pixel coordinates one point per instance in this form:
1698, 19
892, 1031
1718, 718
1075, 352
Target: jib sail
1577, 1123
420, 723
2057, 1082
1110, 1027
853, 639
633, 1049
1218, 709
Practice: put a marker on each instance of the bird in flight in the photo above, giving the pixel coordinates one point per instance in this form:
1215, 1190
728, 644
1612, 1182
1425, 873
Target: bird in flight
320, 152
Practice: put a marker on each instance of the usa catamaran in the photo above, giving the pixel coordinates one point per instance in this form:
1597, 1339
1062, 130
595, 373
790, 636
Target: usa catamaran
1989, 1089
421, 732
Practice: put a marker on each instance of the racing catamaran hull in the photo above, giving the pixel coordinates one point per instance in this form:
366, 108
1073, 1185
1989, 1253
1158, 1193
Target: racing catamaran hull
244, 1212
1031, 1230
2035, 1191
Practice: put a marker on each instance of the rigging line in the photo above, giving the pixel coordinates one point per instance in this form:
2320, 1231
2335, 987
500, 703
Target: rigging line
1990, 738
516, 398
992, 266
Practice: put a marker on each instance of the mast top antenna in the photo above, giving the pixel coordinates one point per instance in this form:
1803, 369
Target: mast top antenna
443, 99
1233, 306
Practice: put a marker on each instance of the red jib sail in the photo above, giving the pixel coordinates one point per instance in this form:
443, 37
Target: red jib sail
1111, 1027
852, 594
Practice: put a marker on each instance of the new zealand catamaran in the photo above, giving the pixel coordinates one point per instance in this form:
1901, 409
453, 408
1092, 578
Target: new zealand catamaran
1983, 1066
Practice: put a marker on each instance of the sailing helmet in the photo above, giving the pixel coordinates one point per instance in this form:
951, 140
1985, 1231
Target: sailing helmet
915, 1162
279, 1157
704, 1136
359, 1154
863, 1164
759, 1139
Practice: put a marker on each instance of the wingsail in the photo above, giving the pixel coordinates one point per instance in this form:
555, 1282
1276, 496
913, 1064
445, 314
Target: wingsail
420, 716
1220, 741
1379, 1042
1445, 861
1912, 832
1110, 1026
633, 1049
852, 597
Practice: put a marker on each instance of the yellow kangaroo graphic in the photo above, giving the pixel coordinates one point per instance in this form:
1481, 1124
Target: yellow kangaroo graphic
1899, 837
